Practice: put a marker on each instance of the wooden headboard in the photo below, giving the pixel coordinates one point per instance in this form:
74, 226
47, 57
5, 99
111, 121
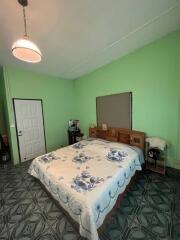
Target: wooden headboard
127, 136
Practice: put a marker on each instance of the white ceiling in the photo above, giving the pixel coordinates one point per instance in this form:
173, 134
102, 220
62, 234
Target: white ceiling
79, 36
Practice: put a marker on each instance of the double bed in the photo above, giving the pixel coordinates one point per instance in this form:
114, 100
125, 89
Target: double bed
87, 177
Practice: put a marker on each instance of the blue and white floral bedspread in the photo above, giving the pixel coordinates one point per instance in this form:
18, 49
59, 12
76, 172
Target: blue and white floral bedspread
87, 177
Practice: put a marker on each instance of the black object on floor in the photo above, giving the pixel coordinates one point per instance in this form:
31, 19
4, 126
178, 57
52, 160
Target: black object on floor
149, 211
4, 151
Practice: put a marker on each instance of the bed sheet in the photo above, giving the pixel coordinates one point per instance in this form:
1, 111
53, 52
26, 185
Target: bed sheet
87, 177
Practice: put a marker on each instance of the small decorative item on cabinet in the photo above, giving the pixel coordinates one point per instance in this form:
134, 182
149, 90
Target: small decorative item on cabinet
156, 154
104, 126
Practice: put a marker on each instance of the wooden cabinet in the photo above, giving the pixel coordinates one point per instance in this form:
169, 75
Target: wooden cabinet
92, 132
97, 133
127, 136
101, 133
112, 135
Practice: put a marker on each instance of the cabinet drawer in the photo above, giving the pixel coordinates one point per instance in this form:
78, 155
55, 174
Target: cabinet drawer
101, 134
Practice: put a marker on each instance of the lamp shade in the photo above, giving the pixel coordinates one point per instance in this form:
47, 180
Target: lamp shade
26, 50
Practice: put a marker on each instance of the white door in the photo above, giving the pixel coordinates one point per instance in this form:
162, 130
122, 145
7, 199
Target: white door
30, 128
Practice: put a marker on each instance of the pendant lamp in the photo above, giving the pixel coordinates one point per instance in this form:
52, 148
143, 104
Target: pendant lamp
24, 49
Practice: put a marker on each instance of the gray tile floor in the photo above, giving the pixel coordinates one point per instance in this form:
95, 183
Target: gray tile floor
149, 211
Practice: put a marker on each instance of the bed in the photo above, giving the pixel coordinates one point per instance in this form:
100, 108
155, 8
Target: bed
87, 177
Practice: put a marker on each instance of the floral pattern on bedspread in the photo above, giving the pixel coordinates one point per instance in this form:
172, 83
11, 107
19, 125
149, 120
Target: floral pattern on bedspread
47, 158
78, 145
81, 158
87, 180
116, 155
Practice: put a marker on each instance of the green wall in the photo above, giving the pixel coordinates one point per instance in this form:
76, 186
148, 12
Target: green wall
2, 109
152, 73
57, 96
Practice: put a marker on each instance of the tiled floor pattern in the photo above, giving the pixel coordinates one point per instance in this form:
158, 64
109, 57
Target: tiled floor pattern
149, 211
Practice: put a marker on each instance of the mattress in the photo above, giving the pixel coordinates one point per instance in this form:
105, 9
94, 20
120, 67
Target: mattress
86, 178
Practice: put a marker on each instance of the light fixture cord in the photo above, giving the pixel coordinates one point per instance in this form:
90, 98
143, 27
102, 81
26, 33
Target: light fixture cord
25, 25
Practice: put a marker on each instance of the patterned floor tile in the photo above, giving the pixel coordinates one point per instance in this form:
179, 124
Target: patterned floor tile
1, 204
3, 228
158, 223
33, 186
4, 236
15, 196
47, 235
140, 233
176, 230
63, 228
12, 186
28, 178
122, 220
29, 228
20, 210
150, 209
50, 210
39, 193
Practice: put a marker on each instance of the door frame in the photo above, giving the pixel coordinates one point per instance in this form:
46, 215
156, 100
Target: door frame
30, 99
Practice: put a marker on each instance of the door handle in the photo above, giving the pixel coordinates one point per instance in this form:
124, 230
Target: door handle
19, 133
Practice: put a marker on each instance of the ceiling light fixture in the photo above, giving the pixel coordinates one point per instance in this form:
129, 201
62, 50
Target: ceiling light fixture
24, 49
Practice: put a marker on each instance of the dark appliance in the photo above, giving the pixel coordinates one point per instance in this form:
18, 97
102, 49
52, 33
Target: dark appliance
74, 132
4, 151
